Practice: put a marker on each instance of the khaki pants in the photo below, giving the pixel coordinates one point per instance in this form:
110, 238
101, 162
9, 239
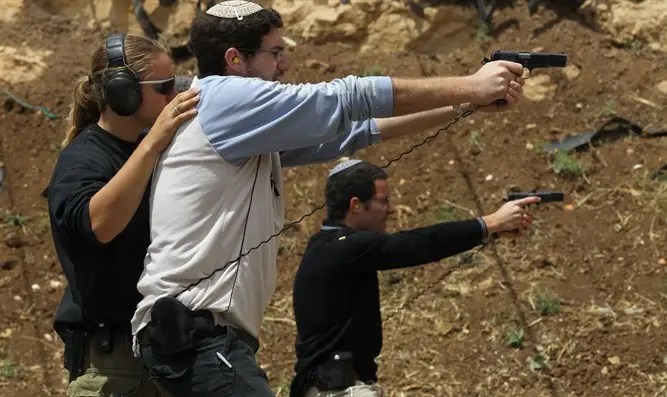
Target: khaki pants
114, 374
359, 390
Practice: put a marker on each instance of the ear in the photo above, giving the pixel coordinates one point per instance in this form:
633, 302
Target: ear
234, 62
355, 205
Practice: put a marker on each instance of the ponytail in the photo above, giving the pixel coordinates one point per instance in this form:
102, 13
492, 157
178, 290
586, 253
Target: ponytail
85, 110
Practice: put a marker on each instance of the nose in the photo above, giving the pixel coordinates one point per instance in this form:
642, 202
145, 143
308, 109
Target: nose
283, 62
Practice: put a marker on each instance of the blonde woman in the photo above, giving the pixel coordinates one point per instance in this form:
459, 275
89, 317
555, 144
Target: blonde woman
122, 117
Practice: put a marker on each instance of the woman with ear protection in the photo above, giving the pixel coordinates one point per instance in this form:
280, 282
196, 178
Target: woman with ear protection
98, 208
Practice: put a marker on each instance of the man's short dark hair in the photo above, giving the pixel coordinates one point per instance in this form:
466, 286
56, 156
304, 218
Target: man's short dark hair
355, 181
211, 37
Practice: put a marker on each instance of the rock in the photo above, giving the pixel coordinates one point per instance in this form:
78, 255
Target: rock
13, 240
376, 24
7, 264
662, 87
319, 65
614, 360
539, 88
629, 22
571, 72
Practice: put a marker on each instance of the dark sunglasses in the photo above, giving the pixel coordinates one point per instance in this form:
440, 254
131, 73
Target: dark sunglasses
162, 87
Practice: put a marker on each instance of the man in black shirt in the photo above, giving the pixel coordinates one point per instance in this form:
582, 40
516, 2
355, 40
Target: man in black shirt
336, 294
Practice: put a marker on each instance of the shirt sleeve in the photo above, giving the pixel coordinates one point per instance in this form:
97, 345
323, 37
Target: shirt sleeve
371, 251
244, 117
362, 135
69, 200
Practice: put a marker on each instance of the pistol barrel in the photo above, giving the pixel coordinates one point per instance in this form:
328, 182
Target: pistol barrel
547, 197
532, 60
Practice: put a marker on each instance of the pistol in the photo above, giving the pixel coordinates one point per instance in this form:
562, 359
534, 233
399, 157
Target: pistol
531, 60
547, 197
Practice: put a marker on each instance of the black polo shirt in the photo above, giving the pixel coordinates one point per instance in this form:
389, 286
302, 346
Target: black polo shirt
102, 278
336, 295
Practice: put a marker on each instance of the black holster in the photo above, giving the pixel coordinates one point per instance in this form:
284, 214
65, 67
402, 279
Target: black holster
337, 373
75, 346
176, 329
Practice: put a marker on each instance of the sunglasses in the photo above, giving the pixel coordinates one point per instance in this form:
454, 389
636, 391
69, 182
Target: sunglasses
162, 87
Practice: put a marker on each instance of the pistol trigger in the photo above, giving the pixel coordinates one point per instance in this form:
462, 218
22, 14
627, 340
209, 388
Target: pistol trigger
485, 60
524, 75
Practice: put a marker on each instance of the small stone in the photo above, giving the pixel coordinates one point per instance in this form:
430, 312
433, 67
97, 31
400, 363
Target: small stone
35, 287
571, 72
637, 166
55, 284
48, 337
489, 178
319, 65
605, 370
529, 146
662, 261
655, 46
568, 207
18, 298
614, 360
7, 264
6, 334
662, 87
531, 126
13, 240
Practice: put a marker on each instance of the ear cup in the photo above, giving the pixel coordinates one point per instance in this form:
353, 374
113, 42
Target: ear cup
122, 91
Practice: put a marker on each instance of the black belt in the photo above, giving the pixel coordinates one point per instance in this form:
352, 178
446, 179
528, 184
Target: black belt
205, 327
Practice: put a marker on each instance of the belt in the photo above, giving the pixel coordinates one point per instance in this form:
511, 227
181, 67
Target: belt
204, 326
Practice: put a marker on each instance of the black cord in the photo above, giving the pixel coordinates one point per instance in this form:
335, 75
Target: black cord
466, 113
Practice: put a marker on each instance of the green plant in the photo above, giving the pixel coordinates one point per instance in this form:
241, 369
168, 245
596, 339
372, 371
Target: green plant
515, 338
567, 166
14, 219
483, 31
537, 362
7, 369
476, 140
447, 213
372, 71
546, 302
607, 109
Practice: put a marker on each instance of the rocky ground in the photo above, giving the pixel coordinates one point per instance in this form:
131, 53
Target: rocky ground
577, 308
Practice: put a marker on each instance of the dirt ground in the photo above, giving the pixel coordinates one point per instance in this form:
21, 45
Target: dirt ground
576, 308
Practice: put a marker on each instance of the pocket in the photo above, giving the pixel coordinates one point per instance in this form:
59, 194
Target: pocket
160, 367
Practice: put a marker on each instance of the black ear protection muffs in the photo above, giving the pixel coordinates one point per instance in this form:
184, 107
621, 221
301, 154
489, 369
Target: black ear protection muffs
121, 90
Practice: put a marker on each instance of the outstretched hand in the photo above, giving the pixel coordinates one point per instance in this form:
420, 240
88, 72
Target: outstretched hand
512, 219
498, 80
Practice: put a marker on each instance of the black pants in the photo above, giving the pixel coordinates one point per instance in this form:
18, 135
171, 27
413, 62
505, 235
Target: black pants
220, 365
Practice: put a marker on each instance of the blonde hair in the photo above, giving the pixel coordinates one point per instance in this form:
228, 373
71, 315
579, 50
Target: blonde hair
89, 101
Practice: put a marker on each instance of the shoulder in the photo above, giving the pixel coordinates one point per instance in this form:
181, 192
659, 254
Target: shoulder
345, 242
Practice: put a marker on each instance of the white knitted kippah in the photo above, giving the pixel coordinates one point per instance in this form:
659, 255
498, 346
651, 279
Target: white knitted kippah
234, 9
343, 165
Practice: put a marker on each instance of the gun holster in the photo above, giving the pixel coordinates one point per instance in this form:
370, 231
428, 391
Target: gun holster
174, 328
337, 373
75, 346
